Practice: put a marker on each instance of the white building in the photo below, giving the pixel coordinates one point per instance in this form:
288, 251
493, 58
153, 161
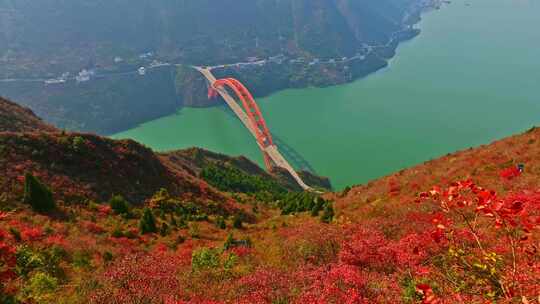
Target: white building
84, 75
146, 55
54, 81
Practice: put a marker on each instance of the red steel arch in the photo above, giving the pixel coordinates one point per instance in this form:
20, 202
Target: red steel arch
264, 138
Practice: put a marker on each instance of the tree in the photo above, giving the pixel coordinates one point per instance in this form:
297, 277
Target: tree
328, 214
229, 242
220, 223
37, 194
119, 205
148, 222
237, 221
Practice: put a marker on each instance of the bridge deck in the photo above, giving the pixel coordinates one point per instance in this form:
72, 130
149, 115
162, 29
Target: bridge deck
272, 151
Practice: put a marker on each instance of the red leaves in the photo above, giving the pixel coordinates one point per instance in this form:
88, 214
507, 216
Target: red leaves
241, 251
428, 296
93, 227
140, 278
336, 283
510, 173
3, 215
55, 240
485, 202
7, 261
441, 224
264, 286
104, 210
31, 234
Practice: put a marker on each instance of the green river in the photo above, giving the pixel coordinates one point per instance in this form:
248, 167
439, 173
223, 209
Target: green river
472, 76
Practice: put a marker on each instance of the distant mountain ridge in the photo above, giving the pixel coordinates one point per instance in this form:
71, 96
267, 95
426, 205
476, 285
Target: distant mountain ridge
301, 42
78, 33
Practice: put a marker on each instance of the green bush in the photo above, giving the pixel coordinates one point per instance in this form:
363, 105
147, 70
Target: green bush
40, 288
37, 195
230, 261
15, 233
147, 223
27, 261
229, 242
165, 229
107, 256
119, 205
81, 259
231, 179
44, 260
78, 143
297, 202
220, 223
328, 214
237, 222
194, 231
204, 259
117, 232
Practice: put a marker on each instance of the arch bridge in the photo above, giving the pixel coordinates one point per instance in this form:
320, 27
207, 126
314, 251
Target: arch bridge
250, 115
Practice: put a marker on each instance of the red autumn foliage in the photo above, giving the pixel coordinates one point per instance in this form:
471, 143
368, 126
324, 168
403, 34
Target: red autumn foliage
265, 285
31, 234
241, 251
104, 210
140, 278
510, 173
7, 261
93, 227
340, 283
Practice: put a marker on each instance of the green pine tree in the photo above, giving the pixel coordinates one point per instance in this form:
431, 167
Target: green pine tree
229, 242
220, 223
37, 194
328, 213
237, 221
148, 222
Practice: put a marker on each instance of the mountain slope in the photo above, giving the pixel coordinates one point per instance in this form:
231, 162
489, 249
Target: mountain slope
85, 166
196, 160
463, 228
14, 118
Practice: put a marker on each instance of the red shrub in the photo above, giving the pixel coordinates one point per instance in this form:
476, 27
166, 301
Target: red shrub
510, 173
367, 248
7, 261
140, 278
264, 286
338, 283
31, 234
93, 227
104, 210
241, 251
56, 240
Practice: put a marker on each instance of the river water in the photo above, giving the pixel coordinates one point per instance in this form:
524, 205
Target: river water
472, 76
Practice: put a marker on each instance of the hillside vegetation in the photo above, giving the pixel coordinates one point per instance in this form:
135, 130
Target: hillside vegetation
463, 228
